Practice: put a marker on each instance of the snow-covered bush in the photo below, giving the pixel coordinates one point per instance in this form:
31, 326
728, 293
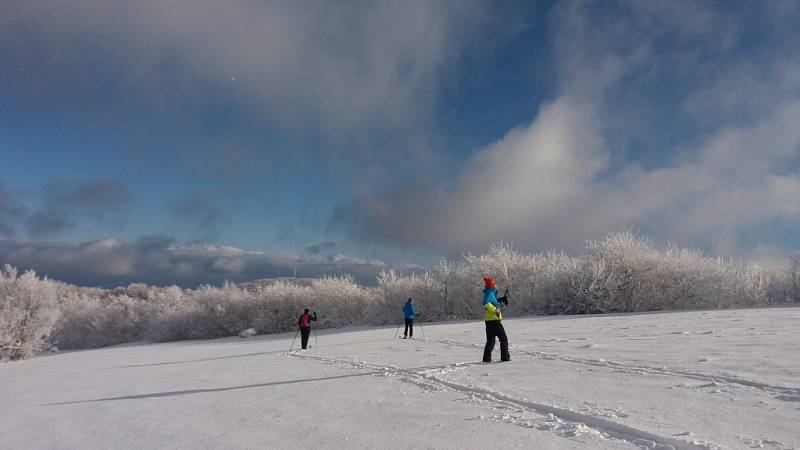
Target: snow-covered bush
792, 279
340, 301
395, 289
250, 332
28, 312
97, 321
209, 311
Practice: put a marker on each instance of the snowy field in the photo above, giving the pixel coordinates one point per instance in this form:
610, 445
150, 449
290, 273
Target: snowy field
686, 380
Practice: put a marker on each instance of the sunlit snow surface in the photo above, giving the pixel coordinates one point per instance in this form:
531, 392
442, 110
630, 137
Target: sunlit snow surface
706, 379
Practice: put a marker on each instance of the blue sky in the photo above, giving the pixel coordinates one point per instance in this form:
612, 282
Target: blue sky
251, 139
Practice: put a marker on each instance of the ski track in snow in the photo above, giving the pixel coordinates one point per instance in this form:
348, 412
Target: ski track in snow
780, 392
565, 422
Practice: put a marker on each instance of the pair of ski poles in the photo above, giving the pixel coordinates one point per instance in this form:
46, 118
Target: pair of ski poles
316, 343
419, 324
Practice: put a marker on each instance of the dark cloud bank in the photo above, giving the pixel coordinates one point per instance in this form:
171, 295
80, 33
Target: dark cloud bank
64, 205
11, 212
156, 260
159, 260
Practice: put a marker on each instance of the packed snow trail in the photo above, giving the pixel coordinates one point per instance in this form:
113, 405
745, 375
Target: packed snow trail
641, 370
690, 380
424, 377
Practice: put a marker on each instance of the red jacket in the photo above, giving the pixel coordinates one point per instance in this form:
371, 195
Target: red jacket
305, 319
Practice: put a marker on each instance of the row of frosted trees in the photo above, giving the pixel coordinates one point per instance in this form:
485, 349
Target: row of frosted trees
623, 272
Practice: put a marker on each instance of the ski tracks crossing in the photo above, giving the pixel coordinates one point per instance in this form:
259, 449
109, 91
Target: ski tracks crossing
564, 422
776, 390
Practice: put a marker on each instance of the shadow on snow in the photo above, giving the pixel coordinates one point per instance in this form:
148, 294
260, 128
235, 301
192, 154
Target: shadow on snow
203, 391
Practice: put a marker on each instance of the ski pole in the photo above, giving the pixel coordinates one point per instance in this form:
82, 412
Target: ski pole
316, 344
421, 329
295, 337
397, 331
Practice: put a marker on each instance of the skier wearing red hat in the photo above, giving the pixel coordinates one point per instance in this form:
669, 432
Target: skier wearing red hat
493, 317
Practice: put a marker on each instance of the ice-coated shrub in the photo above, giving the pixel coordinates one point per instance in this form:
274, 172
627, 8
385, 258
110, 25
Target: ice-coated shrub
340, 301
90, 322
395, 289
210, 311
250, 332
792, 279
28, 312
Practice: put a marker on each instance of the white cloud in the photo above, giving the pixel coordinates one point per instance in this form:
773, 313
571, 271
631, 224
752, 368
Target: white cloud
341, 66
560, 180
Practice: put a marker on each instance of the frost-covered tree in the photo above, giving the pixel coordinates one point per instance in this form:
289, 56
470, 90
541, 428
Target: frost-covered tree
28, 312
793, 278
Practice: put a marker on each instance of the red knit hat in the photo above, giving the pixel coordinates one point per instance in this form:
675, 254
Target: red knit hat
490, 282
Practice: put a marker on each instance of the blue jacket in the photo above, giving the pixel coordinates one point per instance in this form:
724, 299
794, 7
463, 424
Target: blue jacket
490, 296
409, 311
491, 308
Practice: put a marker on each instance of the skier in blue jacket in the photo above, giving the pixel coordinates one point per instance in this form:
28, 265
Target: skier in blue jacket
493, 317
410, 312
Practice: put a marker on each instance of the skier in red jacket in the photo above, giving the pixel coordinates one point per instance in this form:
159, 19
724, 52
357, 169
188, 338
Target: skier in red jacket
305, 326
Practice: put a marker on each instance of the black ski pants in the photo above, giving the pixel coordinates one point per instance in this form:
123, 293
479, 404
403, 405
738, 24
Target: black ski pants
494, 329
305, 332
409, 331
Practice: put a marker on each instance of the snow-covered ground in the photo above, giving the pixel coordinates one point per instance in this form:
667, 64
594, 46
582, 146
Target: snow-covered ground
686, 380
